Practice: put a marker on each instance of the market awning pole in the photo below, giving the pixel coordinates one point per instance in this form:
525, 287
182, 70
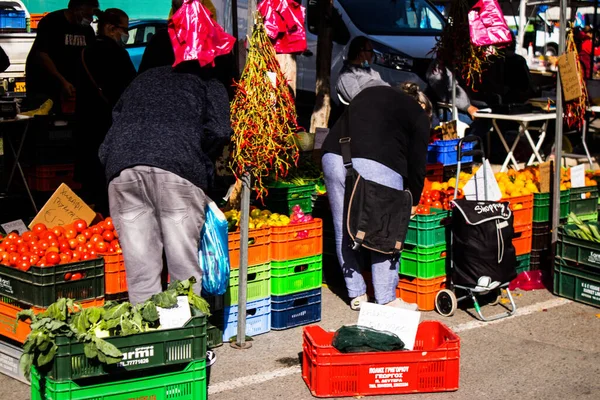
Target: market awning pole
454, 108
522, 25
559, 126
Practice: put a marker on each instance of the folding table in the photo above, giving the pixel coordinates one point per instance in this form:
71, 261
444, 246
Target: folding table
523, 120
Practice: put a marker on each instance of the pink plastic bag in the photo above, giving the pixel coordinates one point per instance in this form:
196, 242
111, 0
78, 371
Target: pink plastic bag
487, 25
284, 22
195, 36
528, 280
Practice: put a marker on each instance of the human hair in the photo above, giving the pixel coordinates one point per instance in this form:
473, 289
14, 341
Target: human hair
74, 4
357, 44
176, 5
412, 89
110, 16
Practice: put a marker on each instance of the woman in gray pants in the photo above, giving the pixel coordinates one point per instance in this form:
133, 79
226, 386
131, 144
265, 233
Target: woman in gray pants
389, 130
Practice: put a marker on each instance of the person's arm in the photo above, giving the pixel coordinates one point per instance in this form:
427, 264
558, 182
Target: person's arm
119, 75
417, 156
217, 122
4, 61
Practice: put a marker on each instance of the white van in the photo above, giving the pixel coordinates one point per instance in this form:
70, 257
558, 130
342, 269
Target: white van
403, 33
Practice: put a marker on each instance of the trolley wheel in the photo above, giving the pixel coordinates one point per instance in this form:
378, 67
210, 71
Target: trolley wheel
445, 302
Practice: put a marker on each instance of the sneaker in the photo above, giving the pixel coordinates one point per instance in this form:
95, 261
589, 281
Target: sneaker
211, 357
357, 301
399, 303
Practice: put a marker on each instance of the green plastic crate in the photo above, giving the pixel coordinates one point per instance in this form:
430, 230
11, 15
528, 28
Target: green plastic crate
541, 206
428, 230
575, 283
282, 198
186, 384
423, 263
579, 204
593, 217
41, 286
523, 263
214, 336
143, 351
295, 276
576, 250
285, 207
259, 285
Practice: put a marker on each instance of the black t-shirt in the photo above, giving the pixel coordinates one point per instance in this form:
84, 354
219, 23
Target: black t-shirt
390, 127
63, 42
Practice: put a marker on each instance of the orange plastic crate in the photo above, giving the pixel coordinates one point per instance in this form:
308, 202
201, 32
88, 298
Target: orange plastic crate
258, 247
432, 366
35, 19
18, 330
523, 239
524, 215
115, 277
297, 240
420, 291
433, 173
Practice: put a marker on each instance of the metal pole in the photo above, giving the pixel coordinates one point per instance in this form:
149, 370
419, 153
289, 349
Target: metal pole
235, 32
454, 108
243, 277
251, 11
559, 126
522, 25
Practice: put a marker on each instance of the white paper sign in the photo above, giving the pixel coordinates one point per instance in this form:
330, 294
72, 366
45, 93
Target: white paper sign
475, 188
578, 176
177, 316
17, 225
403, 323
273, 78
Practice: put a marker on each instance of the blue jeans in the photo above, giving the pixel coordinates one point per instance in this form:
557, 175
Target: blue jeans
385, 270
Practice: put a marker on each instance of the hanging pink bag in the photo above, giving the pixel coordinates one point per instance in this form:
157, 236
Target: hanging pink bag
487, 25
284, 22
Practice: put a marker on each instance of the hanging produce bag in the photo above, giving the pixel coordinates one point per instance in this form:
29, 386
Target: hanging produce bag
284, 23
213, 255
487, 25
195, 36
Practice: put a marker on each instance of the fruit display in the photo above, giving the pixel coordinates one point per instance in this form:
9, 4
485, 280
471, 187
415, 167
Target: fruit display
264, 218
43, 247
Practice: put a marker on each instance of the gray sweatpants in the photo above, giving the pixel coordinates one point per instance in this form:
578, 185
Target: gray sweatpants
152, 210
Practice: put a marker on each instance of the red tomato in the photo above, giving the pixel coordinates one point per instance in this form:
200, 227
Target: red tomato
97, 229
29, 236
93, 253
87, 233
76, 276
81, 248
43, 244
41, 253
13, 248
108, 236
73, 243
116, 234
52, 249
81, 239
19, 241
96, 238
14, 258
89, 246
80, 225
49, 236
76, 256
108, 224
58, 231
23, 249
13, 236
115, 244
436, 204
4, 255
34, 259
54, 243
435, 195
65, 258
101, 247
42, 262
52, 258
24, 265
110, 250
70, 233
3, 247
428, 201
85, 257
68, 276
24, 257
64, 245
39, 228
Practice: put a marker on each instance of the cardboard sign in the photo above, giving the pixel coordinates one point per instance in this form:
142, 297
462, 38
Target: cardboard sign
63, 208
449, 130
17, 225
546, 171
403, 323
177, 316
578, 176
475, 189
569, 78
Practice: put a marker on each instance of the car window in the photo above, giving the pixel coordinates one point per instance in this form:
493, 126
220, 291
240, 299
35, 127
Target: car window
394, 17
149, 32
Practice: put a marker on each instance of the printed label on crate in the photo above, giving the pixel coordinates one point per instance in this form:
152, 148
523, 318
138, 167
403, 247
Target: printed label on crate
177, 316
8, 324
403, 323
594, 258
6, 286
138, 356
17, 225
9, 364
388, 377
591, 292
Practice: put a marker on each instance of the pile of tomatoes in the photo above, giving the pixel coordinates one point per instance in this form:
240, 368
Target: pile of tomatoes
42, 247
439, 199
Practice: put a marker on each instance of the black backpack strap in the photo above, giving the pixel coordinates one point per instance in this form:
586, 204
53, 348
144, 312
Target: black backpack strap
346, 152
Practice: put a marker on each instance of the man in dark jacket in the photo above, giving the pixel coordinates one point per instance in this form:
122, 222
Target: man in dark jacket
168, 128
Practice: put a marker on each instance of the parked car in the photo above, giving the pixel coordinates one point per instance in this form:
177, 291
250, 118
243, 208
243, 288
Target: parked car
140, 33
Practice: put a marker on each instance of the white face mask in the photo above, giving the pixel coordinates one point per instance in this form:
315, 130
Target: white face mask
124, 38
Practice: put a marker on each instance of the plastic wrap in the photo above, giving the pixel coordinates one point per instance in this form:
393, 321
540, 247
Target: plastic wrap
213, 255
196, 36
284, 22
487, 25
361, 339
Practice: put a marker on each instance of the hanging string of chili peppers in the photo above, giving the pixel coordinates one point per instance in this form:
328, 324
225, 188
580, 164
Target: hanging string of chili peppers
263, 117
574, 114
454, 49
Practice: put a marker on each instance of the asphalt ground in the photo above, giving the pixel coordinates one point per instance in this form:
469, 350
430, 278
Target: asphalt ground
548, 350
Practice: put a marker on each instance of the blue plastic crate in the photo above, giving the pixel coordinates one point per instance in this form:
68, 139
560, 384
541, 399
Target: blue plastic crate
295, 309
258, 319
445, 152
12, 19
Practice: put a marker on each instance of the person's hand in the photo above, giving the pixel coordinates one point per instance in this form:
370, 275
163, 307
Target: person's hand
68, 89
413, 212
472, 110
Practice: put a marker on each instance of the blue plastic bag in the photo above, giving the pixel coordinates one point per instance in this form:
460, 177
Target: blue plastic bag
213, 255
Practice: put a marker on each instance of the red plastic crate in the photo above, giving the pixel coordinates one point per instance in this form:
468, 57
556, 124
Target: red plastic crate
523, 239
420, 291
433, 365
47, 178
115, 277
297, 240
524, 215
18, 330
258, 247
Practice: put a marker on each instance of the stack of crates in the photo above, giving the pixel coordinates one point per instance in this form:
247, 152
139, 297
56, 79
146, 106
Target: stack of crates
445, 152
296, 274
423, 261
282, 198
161, 364
584, 203
522, 209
